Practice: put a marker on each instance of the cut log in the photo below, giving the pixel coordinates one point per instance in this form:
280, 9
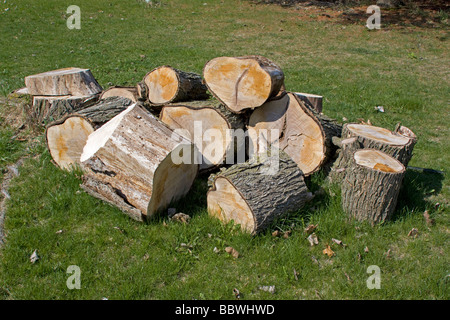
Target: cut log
66, 137
371, 186
253, 194
62, 82
243, 82
300, 132
210, 126
345, 157
311, 100
46, 109
118, 91
167, 85
134, 162
394, 144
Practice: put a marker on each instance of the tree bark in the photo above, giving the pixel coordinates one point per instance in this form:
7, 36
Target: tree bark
243, 82
255, 193
344, 160
67, 136
302, 133
62, 82
52, 108
311, 100
371, 186
396, 145
211, 127
168, 85
137, 158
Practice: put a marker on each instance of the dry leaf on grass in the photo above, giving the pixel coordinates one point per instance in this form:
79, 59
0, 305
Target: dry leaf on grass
313, 240
310, 229
413, 233
366, 249
232, 252
276, 233
34, 257
428, 219
237, 294
328, 251
181, 217
270, 289
286, 234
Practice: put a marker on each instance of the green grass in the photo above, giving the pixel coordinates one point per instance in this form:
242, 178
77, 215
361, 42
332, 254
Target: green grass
405, 70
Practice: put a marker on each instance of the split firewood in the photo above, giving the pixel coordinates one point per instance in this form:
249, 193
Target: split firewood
243, 82
211, 127
398, 145
67, 136
299, 131
118, 91
167, 85
371, 186
253, 195
137, 163
61, 82
311, 100
46, 109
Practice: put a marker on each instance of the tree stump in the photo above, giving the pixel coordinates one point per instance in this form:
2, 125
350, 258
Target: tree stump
136, 162
302, 133
371, 186
66, 137
210, 126
256, 192
345, 157
168, 85
62, 82
118, 91
243, 82
394, 144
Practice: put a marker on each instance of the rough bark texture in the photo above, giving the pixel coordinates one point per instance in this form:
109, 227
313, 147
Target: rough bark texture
131, 156
369, 193
105, 110
62, 82
118, 91
47, 109
213, 116
303, 134
394, 144
311, 100
168, 85
344, 160
243, 82
254, 193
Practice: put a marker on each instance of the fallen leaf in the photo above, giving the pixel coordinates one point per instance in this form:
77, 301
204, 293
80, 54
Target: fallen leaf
34, 257
428, 219
348, 277
328, 251
59, 231
276, 233
146, 257
215, 250
232, 252
237, 294
270, 289
339, 242
379, 108
181, 217
413, 233
310, 229
295, 275
313, 240
366, 249
286, 234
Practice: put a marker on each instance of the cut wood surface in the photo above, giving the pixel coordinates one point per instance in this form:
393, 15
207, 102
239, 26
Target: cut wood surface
166, 84
394, 144
51, 108
209, 125
132, 162
61, 82
66, 137
371, 186
303, 134
243, 82
118, 91
253, 194
312, 100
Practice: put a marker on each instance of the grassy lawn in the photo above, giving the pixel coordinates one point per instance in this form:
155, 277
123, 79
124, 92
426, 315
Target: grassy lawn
403, 69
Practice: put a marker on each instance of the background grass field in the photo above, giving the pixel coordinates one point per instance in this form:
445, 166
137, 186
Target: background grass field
406, 70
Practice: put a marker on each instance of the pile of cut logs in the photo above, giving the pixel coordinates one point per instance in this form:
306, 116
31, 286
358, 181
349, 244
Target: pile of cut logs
141, 148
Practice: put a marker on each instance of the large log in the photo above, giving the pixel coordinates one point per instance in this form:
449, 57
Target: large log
371, 186
167, 85
67, 136
243, 82
303, 134
46, 109
135, 162
211, 127
255, 193
118, 91
61, 82
397, 145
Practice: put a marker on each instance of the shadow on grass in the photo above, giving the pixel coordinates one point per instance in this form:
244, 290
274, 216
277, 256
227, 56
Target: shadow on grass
416, 188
